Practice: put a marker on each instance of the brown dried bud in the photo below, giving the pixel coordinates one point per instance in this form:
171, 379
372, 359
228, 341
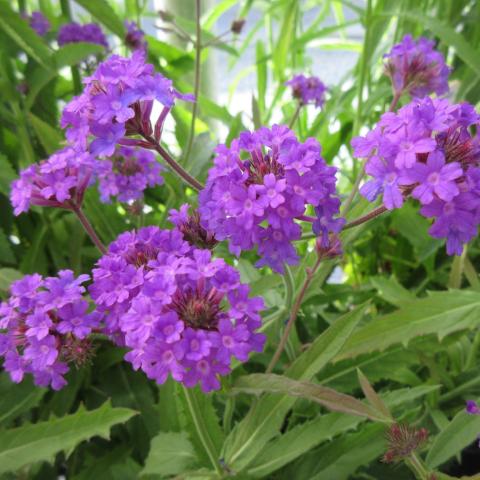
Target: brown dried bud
166, 16
237, 26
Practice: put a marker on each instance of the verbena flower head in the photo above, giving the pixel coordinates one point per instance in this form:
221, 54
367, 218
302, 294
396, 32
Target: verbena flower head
75, 33
190, 225
308, 90
260, 186
179, 311
135, 37
44, 325
427, 151
60, 181
472, 407
417, 68
117, 103
39, 22
127, 174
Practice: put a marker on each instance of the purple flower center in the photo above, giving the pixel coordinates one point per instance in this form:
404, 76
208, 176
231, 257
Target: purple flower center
433, 178
390, 178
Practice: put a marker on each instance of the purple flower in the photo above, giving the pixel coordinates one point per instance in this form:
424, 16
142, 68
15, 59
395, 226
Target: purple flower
60, 181
416, 67
308, 89
259, 188
174, 316
43, 327
135, 38
39, 23
74, 33
127, 174
117, 104
472, 407
427, 151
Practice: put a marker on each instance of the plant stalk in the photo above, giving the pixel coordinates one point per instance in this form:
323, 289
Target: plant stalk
89, 229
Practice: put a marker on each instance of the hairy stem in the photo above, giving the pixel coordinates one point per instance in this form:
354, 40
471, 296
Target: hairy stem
202, 430
365, 218
89, 229
293, 316
198, 59
174, 165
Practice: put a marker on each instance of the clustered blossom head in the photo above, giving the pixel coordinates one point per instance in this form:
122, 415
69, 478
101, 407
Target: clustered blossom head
403, 440
472, 407
44, 325
177, 309
417, 68
39, 22
308, 90
127, 174
259, 187
75, 33
60, 181
427, 151
116, 103
135, 37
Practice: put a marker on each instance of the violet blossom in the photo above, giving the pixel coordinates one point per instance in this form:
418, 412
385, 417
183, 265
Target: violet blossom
135, 37
75, 33
39, 22
308, 90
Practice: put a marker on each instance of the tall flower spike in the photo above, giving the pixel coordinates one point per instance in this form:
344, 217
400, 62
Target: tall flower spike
127, 174
260, 186
117, 103
60, 181
44, 325
179, 311
427, 151
308, 90
75, 33
417, 68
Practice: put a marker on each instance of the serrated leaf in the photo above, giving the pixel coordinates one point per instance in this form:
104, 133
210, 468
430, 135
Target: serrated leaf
170, 454
440, 313
258, 383
104, 13
391, 291
265, 418
459, 433
372, 396
41, 441
48, 136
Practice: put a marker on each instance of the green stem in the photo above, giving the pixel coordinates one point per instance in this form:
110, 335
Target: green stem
417, 467
198, 59
202, 430
295, 116
89, 229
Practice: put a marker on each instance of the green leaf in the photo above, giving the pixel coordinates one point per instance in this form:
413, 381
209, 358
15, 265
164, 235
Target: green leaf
19, 31
7, 175
104, 13
300, 440
459, 433
16, 399
265, 418
48, 136
372, 396
170, 454
327, 397
6, 253
285, 37
7, 276
41, 441
441, 313
391, 291
262, 75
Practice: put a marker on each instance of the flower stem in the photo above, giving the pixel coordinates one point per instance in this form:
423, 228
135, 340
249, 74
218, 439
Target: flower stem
174, 165
202, 430
89, 229
295, 115
369, 216
198, 59
293, 316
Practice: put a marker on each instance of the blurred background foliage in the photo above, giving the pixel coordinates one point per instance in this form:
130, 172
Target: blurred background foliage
415, 337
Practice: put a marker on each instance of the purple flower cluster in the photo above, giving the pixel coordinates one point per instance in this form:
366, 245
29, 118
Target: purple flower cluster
177, 309
45, 325
127, 174
417, 68
259, 187
117, 102
427, 151
135, 37
39, 22
308, 90
60, 181
75, 33
472, 407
